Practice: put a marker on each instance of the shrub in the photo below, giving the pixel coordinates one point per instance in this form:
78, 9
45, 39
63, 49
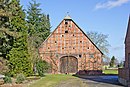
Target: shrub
7, 79
42, 67
20, 78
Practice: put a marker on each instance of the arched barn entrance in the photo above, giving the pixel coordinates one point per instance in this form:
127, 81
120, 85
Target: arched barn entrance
68, 64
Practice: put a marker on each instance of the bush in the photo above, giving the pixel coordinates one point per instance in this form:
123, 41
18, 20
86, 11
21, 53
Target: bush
42, 67
7, 79
20, 78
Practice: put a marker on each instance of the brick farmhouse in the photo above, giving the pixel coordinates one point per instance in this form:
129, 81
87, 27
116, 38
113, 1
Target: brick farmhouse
69, 50
124, 73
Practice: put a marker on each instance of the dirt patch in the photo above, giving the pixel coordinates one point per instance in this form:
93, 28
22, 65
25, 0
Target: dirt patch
11, 85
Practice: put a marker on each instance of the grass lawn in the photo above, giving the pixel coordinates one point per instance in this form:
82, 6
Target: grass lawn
111, 71
51, 80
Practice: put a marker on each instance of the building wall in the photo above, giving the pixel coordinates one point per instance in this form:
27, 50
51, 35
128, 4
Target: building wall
69, 40
127, 51
124, 73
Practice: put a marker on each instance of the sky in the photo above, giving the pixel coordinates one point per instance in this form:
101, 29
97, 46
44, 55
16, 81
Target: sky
109, 17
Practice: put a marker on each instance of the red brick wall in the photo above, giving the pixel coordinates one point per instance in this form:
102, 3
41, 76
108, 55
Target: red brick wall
127, 45
127, 51
124, 73
74, 43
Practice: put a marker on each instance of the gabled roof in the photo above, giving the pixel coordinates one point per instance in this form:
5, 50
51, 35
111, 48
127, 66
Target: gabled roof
128, 29
69, 18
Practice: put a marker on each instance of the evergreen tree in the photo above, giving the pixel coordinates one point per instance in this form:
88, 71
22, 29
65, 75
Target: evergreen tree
112, 62
6, 36
18, 56
39, 24
38, 29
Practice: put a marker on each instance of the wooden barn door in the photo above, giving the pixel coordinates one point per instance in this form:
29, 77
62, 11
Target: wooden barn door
68, 64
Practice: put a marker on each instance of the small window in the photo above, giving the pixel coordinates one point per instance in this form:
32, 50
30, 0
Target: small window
80, 55
66, 22
66, 31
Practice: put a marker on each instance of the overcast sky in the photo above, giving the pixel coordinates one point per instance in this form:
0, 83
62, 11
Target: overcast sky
104, 16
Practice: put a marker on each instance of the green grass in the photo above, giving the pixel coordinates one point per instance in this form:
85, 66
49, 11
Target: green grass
51, 80
110, 71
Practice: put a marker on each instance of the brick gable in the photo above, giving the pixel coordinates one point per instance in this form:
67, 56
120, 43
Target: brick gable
69, 40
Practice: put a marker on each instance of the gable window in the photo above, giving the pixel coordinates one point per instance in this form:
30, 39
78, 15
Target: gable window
80, 55
66, 31
66, 22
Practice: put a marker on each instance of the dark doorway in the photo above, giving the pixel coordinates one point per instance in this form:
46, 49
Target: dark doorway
68, 64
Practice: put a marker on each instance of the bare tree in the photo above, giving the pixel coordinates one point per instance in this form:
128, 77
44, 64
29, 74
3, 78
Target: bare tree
100, 41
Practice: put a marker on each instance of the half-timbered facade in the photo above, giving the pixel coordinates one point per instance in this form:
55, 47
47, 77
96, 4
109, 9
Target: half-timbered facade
69, 50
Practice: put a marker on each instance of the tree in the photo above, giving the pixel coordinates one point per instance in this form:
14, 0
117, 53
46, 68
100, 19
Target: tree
38, 29
116, 62
39, 25
106, 60
18, 56
112, 62
121, 64
6, 36
100, 40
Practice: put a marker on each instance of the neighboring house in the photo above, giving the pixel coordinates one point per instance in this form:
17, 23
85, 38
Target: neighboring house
69, 50
124, 73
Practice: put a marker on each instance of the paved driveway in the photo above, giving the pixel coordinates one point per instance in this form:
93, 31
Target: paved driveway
92, 81
101, 81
